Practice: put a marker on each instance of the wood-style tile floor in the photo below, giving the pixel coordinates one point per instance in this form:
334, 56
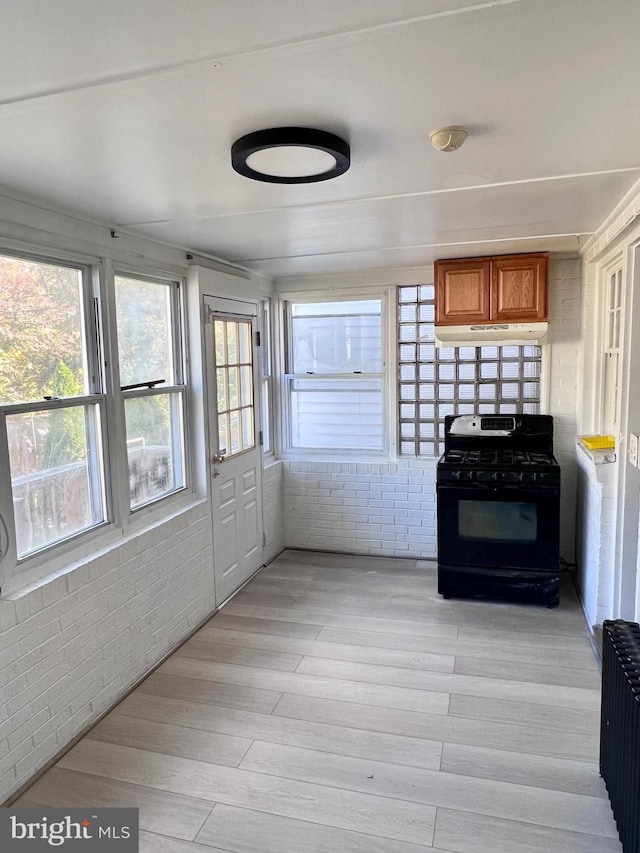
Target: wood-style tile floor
339, 704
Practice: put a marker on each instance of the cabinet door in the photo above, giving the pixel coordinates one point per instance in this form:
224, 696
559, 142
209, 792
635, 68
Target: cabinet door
462, 291
519, 288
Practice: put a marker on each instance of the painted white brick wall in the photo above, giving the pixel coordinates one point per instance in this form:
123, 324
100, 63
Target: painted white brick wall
70, 649
564, 352
595, 547
389, 508
272, 511
385, 508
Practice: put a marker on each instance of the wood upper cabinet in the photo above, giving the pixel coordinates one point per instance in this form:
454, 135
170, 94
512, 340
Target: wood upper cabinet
505, 289
463, 291
519, 288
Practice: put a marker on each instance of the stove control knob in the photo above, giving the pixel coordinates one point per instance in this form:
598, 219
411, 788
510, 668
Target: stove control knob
524, 477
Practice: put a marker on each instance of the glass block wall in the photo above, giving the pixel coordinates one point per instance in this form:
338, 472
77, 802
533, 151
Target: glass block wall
438, 381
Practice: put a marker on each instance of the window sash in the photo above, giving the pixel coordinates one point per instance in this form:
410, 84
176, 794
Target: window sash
76, 487
89, 322
73, 496
175, 336
148, 488
348, 412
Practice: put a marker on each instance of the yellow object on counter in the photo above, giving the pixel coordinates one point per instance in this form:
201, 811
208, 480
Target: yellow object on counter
598, 442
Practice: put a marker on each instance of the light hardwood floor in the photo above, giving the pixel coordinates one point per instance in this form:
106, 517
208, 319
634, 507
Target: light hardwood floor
338, 703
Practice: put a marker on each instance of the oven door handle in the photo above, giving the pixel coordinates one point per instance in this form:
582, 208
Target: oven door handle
530, 488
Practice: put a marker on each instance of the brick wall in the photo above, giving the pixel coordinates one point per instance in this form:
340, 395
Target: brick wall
389, 508
596, 540
564, 351
272, 512
71, 648
385, 508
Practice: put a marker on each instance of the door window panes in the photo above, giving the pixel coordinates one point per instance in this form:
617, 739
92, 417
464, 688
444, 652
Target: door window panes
234, 385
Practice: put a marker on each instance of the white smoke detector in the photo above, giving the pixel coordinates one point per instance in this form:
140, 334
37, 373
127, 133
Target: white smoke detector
448, 138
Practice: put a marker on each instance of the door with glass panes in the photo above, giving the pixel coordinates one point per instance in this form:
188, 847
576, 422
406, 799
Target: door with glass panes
235, 461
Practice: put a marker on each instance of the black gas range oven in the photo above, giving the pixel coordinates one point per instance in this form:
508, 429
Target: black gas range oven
498, 491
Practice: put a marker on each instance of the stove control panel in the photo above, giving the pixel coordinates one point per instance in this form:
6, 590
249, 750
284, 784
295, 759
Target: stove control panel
497, 424
547, 478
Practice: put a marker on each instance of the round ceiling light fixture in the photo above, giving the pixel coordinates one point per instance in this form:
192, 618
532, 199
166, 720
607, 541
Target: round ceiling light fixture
290, 155
448, 138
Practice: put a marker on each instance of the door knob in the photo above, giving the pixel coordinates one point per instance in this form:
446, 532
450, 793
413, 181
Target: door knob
217, 457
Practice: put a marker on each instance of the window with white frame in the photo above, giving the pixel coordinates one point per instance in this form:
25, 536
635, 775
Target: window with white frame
152, 384
611, 352
266, 375
51, 404
335, 374
58, 461
437, 381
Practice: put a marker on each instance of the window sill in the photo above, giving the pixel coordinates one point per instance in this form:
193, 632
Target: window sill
44, 569
598, 457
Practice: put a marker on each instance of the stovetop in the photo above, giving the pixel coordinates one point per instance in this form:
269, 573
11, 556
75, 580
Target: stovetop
497, 458
511, 450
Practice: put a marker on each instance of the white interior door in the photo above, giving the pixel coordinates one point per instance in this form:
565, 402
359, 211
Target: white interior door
235, 462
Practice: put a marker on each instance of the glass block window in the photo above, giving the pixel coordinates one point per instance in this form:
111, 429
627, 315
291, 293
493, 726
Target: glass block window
437, 381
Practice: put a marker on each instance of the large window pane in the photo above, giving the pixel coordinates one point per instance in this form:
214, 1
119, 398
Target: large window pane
328, 410
154, 446
145, 331
42, 351
56, 474
339, 413
336, 337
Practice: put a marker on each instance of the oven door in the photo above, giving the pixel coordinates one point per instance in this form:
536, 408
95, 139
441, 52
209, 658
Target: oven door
499, 526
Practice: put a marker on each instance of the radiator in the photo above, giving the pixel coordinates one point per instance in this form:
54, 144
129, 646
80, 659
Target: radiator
620, 727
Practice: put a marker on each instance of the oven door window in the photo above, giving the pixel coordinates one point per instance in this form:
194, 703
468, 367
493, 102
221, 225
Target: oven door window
498, 521
499, 527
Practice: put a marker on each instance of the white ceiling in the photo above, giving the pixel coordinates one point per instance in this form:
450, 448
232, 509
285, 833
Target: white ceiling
125, 113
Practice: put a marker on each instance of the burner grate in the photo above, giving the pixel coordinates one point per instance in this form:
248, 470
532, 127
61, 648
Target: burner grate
514, 458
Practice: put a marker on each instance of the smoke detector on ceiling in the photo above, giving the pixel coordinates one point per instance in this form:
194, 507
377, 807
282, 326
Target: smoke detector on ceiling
448, 138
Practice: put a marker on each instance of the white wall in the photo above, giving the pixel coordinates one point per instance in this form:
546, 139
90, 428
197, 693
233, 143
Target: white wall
610, 585
72, 643
595, 540
564, 354
388, 507
273, 511
71, 647
382, 508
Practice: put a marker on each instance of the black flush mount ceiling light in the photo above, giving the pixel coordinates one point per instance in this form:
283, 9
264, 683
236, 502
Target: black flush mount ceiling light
290, 155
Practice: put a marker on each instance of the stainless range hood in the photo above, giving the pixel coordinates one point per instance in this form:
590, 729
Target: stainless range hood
496, 334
